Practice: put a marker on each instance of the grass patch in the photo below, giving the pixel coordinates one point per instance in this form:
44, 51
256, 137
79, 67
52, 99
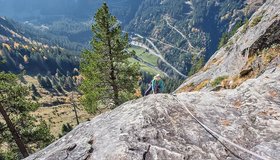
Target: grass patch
201, 85
256, 21
218, 81
59, 115
147, 68
245, 26
186, 88
144, 55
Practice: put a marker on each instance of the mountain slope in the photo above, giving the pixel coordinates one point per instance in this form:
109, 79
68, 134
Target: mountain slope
40, 11
185, 33
20, 51
192, 26
242, 51
161, 126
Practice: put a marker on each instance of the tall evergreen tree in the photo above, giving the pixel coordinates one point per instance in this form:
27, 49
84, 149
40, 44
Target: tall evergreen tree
108, 75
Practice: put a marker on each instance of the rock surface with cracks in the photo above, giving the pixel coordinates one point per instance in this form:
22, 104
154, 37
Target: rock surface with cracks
158, 127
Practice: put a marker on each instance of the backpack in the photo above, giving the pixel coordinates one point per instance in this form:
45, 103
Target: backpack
157, 87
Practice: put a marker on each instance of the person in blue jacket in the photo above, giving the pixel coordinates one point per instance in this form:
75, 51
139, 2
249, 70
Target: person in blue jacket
156, 86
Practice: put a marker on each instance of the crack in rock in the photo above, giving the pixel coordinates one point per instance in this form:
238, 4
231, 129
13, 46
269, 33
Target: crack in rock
146, 152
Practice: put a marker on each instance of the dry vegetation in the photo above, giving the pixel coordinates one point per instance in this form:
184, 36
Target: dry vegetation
256, 21
58, 115
215, 61
194, 87
201, 85
186, 88
225, 122
256, 64
57, 109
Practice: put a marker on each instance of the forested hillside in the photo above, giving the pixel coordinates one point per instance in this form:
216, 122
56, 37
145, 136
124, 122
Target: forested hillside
191, 28
41, 11
21, 51
50, 84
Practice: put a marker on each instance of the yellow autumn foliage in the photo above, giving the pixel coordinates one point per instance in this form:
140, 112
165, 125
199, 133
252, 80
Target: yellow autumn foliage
138, 92
25, 46
16, 45
5, 45
25, 58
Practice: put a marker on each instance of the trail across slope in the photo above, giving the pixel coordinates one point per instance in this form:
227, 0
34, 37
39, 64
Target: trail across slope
178, 31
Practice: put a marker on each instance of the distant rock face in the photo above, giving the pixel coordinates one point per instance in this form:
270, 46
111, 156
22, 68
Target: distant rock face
158, 127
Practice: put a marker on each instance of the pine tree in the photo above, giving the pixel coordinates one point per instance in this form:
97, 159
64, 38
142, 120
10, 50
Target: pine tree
48, 83
58, 73
108, 75
40, 79
68, 84
20, 129
66, 128
35, 91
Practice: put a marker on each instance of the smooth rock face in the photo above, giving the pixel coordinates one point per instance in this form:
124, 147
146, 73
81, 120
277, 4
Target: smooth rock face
158, 127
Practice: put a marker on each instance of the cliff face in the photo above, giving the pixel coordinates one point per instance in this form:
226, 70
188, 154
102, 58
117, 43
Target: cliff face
242, 107
261, 32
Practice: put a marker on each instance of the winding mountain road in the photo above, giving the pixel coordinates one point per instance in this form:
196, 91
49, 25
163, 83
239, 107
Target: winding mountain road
169, 45
157, 53
178, 31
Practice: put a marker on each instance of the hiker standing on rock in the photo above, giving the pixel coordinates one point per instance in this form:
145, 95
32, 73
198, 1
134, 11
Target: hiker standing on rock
157, 85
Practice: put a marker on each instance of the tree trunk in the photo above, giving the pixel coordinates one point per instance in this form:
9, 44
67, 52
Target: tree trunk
112, 72
14, 132
75, 109
114, 85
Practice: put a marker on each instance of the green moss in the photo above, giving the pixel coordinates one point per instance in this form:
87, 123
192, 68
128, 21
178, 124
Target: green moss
218, 81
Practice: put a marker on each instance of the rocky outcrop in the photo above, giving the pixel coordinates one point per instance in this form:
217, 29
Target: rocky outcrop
159, 127
262, 31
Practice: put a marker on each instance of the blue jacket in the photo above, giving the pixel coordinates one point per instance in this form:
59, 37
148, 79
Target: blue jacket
157, 85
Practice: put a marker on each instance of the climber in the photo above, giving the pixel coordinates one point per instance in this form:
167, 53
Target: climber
157, 85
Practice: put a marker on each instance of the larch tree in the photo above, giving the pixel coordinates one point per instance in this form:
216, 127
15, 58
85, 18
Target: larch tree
109, 77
